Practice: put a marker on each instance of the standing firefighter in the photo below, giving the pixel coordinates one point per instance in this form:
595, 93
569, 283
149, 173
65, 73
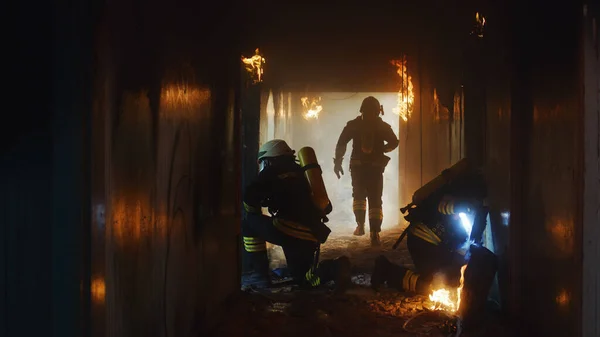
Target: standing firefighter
294, 195
371, 138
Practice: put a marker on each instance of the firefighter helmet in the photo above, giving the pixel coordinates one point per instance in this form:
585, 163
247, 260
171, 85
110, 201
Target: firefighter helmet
370, 104
274, 148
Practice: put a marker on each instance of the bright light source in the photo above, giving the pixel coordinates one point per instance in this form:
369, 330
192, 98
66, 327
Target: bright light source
505, 218
466, 223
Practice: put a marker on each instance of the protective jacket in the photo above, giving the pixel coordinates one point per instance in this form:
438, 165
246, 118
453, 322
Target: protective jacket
370, 140
284, 190
439, 215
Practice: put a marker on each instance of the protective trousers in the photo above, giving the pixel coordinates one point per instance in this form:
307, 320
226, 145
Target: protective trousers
430, 259
406, 280
299, 247
367, 183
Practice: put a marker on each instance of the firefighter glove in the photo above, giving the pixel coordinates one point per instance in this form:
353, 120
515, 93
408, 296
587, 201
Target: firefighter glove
337, 168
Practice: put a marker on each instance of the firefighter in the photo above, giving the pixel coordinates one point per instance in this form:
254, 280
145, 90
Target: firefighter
371, 138
442, 228
295, 224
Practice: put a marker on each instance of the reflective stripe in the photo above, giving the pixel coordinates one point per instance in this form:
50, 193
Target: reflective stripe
446, 207
294, 229
409, 281
253, 245
359, 205
406, 280
413, 282
312, 278
376, 213
251, 209
423, 232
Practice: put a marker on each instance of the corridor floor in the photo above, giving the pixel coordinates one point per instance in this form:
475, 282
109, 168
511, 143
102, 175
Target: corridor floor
360, 312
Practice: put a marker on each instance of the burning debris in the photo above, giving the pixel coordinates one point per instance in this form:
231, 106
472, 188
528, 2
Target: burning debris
254, 66
406, 95
312, 107
479, 25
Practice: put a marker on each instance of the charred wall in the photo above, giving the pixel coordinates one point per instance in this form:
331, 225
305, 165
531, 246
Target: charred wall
546, 225
165, 170
120, 181
591, 174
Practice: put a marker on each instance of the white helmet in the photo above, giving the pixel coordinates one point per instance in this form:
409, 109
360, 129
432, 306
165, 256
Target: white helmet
274, 148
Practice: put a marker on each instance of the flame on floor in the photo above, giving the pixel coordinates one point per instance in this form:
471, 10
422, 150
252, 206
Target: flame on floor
448, 299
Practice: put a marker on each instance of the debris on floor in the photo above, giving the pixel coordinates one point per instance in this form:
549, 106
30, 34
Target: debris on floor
285, 310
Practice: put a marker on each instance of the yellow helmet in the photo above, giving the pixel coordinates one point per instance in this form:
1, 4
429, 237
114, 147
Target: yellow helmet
274, 148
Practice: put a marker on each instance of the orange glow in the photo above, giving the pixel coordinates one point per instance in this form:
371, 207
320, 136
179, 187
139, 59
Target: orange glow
406, 96
447, 299
562, 233
312, 108
255, 66
127, 220
182, 100
439, 110
98, 290
563, 298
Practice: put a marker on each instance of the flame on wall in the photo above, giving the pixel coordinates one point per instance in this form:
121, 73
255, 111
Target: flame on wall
312, 107
406, 95
255, 66
479, 25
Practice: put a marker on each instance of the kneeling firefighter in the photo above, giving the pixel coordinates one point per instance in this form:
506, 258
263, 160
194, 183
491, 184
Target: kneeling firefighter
446, 216
298, 203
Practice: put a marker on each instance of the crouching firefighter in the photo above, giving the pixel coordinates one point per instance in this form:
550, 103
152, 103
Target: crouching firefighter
297, 201
371, 138
446, 216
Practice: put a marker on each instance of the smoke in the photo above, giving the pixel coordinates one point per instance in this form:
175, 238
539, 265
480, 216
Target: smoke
322, 134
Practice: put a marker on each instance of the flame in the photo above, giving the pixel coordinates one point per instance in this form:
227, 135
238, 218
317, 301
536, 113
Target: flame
254, 65
406, 95
312, 109
480, 23
444, 299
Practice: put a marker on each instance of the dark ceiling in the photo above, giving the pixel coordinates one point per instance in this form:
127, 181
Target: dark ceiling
352, 42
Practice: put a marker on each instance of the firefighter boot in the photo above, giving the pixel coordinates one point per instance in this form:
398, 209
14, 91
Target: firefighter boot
337, 270
375, 220
343, 274
256, 273
387, 272
360, 229
375, 240
380, 272
359, 207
